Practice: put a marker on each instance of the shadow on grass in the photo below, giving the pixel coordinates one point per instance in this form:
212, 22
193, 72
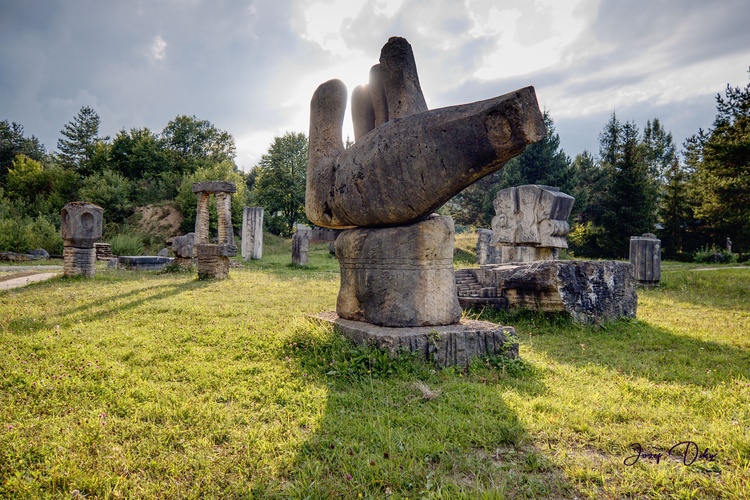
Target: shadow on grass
630, 347
105, 305
405, 428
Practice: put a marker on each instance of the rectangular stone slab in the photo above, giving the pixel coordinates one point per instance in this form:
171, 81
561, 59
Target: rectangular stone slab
449, 345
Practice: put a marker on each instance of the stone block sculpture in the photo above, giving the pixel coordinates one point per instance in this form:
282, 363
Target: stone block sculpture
531, 223
395, 255
528, 231
252, 233
213, 259
645, 255
80, 227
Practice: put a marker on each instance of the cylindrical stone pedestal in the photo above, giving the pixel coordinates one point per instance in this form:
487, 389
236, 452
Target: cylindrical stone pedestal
79, 261
645, 255
252, 233
399, 276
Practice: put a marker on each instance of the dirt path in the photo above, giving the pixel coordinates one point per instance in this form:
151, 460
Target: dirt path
11, 276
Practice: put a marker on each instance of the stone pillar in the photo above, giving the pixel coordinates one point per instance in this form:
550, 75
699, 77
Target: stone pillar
81, 226
213, 260
252, 233
201, 218
399, 276
300, 246
645, 255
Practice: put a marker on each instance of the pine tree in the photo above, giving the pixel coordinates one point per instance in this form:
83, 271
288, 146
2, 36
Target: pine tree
721, 159
78, 146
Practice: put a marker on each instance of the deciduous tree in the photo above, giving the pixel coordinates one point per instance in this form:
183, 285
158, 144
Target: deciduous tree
280, 183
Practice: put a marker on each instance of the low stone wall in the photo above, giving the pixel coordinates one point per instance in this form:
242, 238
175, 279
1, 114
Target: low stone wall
592, 292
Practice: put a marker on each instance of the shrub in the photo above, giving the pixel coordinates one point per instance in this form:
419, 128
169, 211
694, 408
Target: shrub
42, 233
126, 244
714, 254
13, 235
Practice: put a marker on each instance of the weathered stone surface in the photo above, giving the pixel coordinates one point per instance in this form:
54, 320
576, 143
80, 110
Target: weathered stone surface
213, 260
531, 223
447, 345
300, 247
15, 257
78, 261
403, 169
81, 224
182, 246
645, 255
143, 262
214, 187
592, 292
252, 233
486, 253
38, 254
103, 251
398, 276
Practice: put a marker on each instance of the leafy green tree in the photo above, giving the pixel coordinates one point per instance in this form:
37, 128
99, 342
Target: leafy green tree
280, 183
721, 160
78, 146
194, 144
34, 189
138, 154
111, 191
13, 142
26, 179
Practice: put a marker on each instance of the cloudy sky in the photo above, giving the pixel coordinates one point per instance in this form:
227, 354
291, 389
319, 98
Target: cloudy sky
251, 66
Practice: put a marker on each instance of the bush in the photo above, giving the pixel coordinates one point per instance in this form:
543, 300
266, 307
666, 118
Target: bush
126, 244
714, 254
13, 235
43, 234
586, 240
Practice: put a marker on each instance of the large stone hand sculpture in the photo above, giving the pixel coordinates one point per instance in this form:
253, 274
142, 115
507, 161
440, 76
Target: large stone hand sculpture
407, 160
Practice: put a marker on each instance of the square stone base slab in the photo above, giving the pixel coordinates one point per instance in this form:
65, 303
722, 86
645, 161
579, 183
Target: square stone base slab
449, 345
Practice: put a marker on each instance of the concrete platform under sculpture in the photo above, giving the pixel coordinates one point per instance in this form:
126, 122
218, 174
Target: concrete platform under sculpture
449, 345
591, 292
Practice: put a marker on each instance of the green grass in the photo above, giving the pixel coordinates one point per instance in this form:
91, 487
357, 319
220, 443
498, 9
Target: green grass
144, 385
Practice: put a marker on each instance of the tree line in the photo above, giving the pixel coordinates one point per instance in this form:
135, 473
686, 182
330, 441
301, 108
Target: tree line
638, 182
137, 168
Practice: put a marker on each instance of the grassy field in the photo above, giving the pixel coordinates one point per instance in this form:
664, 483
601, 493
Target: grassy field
144, 385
